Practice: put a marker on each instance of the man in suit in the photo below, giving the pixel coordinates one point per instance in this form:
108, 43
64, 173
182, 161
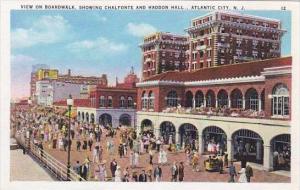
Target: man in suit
143, 176
174, 172
113, 168
232, 172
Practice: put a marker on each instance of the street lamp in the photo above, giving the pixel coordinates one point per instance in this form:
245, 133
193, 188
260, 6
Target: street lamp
69, 104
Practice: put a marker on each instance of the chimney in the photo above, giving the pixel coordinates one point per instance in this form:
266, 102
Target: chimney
69, 72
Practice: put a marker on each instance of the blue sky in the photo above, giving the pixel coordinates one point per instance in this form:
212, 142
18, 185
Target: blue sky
96, 42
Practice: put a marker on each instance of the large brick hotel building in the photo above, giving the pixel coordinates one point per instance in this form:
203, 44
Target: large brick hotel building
232, 87
226, 83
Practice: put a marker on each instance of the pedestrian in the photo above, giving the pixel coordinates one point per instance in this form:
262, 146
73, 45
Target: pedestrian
143, 176
243, 160
157, 173
134, 176
126, 175
136, 159
118, 174
100, 154
242, 178
113, 168
150, 157
102, 171
195, 160
158, 143
220, 164
174, 172
77, 168
78, 145
131, 159
85, 170
180, 172
249, 173
149, 174
164, 157
121, 151
226, 160
90, 143
232, 173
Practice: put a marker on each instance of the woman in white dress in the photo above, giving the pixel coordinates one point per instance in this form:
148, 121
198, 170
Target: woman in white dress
141, 146
242, 178
118, 174
136, 159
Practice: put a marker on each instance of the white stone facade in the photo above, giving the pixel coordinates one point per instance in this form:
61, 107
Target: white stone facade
266, 128
115, 114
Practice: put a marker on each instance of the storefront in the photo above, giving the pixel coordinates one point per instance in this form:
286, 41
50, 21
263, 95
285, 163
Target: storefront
188, 135
105, 120
125, 120
248, 143
281, 149
168, 132
214, 139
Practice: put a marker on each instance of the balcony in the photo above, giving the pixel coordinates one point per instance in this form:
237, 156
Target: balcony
223, 112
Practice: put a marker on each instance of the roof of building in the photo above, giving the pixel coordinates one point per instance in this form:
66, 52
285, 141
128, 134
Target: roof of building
253, 68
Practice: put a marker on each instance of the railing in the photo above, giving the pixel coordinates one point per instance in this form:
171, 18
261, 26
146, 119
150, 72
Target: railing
58, 169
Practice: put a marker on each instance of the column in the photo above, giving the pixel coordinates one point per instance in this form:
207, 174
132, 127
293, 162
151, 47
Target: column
177, 138
268, 159
194, 103
259, 102
201, 144
229, 149
244, 102
204, 102
229, 102
216, 102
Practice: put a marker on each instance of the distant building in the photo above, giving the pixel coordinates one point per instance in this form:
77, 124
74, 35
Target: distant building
112, 106
33, 78
52, 87
163, 52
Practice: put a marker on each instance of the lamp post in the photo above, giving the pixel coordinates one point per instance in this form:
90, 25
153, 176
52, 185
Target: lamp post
69, 104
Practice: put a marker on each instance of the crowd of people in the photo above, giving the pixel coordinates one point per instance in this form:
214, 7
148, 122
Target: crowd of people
49, 127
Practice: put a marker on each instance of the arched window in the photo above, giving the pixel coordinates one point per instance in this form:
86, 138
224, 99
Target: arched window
144, 100
102, 101
172, 99
151, 100
122, 102
199, 97
189, 99
110, 101
236, 99
129, 102
210, 99
222, 98
251, 99
280, 100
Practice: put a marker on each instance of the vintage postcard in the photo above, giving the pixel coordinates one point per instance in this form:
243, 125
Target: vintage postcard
177, 94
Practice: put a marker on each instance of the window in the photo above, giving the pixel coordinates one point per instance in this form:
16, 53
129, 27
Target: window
144, 101
172, 99
280, 100
102, 101
122, 102
151, 100
129, 102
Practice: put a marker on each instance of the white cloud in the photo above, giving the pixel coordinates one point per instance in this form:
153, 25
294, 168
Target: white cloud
45, 30
99, 45
141, 29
